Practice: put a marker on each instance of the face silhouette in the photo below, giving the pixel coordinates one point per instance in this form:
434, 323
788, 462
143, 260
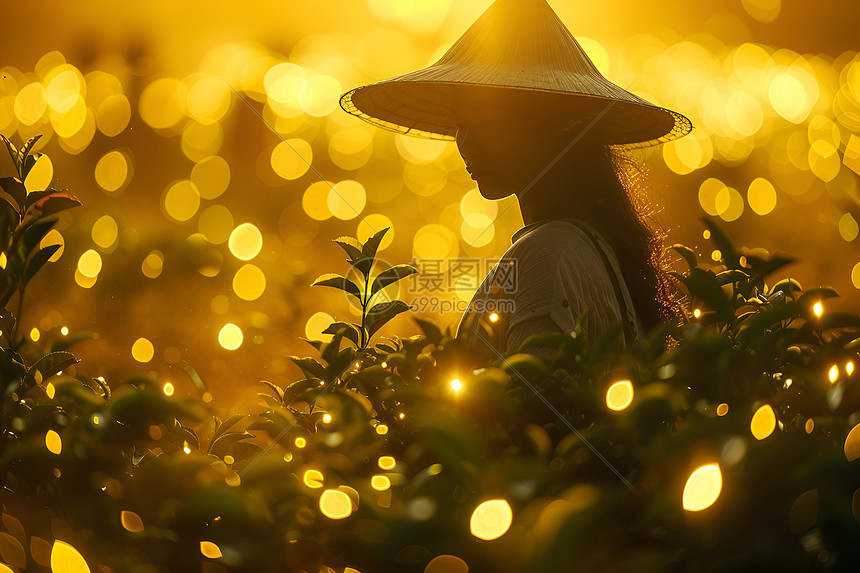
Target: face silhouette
503, 146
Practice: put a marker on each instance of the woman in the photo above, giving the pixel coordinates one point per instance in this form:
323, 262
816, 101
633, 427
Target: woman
533, 117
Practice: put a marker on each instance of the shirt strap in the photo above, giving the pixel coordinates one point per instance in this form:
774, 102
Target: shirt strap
622, 295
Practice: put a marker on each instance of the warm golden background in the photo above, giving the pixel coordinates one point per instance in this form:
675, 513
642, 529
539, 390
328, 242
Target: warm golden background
185, 128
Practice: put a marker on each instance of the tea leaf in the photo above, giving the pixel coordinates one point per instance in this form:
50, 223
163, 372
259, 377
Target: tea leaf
338, 282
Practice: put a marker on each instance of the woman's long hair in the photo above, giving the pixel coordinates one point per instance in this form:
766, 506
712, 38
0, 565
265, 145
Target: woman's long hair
612, 188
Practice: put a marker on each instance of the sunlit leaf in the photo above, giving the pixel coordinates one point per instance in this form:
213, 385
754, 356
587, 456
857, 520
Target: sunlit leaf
430, 330
338, 282
28, 147
221, 444
37, 261
52, 363
688, 254
524, 365
351, 246
55, 203
15, 189
390, 276
310, 366
721, 240
372, 244
382, 313
13, 151
229, 423
350, 331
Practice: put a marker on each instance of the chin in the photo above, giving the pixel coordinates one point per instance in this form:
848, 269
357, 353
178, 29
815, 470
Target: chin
492, 192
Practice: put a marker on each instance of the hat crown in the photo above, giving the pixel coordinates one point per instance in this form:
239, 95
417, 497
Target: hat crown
520, 35
514, 45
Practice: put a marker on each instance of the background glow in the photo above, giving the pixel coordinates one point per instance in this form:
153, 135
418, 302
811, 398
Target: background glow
175, 140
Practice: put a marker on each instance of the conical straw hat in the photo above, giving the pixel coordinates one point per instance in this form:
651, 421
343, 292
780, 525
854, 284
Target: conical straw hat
521, 45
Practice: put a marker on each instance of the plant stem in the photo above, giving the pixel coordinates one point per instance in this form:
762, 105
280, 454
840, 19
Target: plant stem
364, 302
17, 317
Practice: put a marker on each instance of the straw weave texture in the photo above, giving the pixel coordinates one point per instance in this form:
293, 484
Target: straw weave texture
515, 44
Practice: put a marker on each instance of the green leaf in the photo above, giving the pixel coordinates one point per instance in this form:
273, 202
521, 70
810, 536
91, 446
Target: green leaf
51, 363
382, 313
687, 253
7, 322
227, 424
787, 285
339, 363
13, 152
275, 388
10, 216
372, 245
105, 388
347, 330
11, 367
315, 343
544, 339
430, 330
28, 163
329, 350
812, 296
186, 434
351, 246
338, 282
721, 241
705, 286
525, 366
309, 366
35, 233
731, 276
54, 203
15, 189
833, 320
220, 444
25, 151
765, 267
767, 319
38, 260
390, 276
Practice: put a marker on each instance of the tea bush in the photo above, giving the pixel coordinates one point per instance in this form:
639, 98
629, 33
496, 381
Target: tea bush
428, 454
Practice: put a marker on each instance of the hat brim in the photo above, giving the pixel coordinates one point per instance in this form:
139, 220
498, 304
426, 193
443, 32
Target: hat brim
426, 109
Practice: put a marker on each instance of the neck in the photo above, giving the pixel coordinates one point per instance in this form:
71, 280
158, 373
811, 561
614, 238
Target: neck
557, 195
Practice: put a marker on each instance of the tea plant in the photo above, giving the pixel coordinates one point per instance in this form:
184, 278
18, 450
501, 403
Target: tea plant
376, 460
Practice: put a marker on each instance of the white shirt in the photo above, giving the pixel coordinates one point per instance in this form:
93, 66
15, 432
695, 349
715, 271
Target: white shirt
551, 274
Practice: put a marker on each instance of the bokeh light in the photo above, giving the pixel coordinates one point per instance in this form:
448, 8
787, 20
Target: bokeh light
211, 176
112, 171
230, 336
162, 103
335, 504
292, 158
249, 282
181, 201
245, 241
67, 559
619, 395
491, 519
703, 487
763, 422
142, 350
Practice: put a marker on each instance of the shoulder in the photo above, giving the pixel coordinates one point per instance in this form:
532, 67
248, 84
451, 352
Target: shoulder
552, 244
